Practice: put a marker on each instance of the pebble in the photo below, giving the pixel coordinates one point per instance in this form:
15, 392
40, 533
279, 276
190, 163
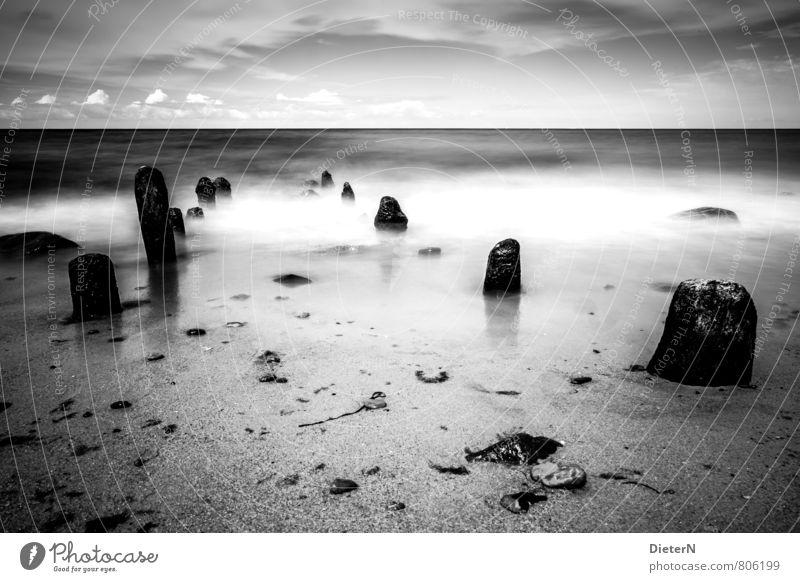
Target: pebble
302, 315
430, 251
154, 356
268, 378
372, 470
565, 477
235, 324
195, 331
119, 404
119, 338
240, 296
580, 379
397, 506
520, 502
343, 486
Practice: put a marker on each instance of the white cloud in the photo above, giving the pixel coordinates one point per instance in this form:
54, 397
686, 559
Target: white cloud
321, 97
99, 97
46, 100
157, 96
202, 99
400, 108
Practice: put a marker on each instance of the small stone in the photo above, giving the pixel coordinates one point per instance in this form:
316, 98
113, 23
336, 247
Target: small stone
397, 506
291, 280
120, 404
116, 339
268, 378
302, 315
343, 486
580, 379
235, 324
240, 296
566, 476
195, 331
520, 502
153, 357
430, 252
281, 380
635, 368
372, 470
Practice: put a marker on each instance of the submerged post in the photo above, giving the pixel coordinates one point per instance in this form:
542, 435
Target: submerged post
206, 192
152, 200
390, 216
93, 285
175, 218
347, 193
326, 180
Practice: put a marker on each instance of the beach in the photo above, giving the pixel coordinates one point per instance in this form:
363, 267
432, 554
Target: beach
206, 446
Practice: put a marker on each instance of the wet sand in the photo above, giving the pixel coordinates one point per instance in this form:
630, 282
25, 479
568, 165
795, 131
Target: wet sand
721, 459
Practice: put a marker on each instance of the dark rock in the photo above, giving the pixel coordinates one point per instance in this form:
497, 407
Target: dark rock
240, 296
4, 405
302, 315
206, 192
326, 180
34, 243
268, 357
347, 193
635, 368
152, 201
222, 188
117, 339
390, 216
268, 378
580, 379
565, 476
709, 336
195, 213
151, 423
507, 392
397, 506
706, 213
17, 440
503, 269
291, 280
343, 486
195, 331
430, 252
175, 219
521, 502
372, 471
120, 404
170, 429
516, 449
93, 284
281, 380
153, 356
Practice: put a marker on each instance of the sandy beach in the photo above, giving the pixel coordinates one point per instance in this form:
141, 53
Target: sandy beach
206, 446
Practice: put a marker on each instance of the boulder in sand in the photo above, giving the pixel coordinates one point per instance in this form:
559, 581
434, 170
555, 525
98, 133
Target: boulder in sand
93, 285
152, 201
34, 243
175, 217
390, 216
326, 180
206, 192
222, 188
707, 213
709, 336
503, 269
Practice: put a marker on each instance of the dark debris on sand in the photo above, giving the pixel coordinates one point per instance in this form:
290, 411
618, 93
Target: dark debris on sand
457, 470
438, 379
515, 449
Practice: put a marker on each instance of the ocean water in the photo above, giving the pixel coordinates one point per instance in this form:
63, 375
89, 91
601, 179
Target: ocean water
590, 208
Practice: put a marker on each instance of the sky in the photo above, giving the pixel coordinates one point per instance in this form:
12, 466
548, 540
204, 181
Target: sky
374, 63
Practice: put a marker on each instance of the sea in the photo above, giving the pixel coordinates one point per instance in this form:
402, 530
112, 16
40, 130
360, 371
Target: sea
591, 209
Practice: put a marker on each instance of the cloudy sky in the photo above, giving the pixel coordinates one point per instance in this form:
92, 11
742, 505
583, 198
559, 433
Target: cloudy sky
374, 63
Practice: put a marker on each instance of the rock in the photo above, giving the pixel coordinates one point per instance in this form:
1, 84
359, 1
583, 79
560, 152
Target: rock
430, 252
302, 315
372, 470
442, 376
291, 280
635, 368
222, 188
709, 336
580, 379
195, 213
93, 285
206, 192
4, 405
120, 404
175, 219
347, 193
456, 470
516, 449
268, 357
270, 377
195, 331
503, 269
152, 201
390, 216
326, 180
235, 324
153, 356
343, 486
309, 194
34, 243
521, 502
565, 476
396, 506
706, 213
375, 402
